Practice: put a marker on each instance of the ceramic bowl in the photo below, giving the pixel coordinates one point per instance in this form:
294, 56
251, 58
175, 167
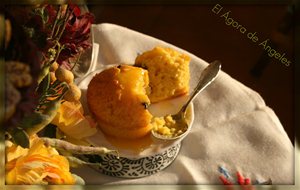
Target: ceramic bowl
125, 167
149, 155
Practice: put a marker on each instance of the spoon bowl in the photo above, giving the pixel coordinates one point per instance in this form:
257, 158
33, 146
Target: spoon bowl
207, 76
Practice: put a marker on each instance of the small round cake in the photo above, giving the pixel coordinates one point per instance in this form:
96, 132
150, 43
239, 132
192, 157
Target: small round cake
117, 97
168, 72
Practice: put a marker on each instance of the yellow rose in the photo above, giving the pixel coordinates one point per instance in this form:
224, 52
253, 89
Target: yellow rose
37, 165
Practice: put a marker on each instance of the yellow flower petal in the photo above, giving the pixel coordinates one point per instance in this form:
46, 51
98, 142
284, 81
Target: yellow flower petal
13, 151
11, 176
38, 165
70, 120
69, 113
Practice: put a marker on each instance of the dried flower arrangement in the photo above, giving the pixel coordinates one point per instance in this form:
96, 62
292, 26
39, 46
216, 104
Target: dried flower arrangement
33, 155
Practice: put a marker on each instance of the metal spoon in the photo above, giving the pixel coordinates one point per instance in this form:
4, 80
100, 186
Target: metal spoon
207, 76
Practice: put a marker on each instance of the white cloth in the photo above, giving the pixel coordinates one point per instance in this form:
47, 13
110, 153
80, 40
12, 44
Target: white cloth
233, 127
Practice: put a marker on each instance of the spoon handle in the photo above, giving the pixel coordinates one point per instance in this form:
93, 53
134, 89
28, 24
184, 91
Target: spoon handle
207, 76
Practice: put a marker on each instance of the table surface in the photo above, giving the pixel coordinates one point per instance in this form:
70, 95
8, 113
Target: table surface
199, 30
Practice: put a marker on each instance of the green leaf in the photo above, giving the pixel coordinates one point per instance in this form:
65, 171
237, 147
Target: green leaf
32, 120
44, 85
43, 73
20, 137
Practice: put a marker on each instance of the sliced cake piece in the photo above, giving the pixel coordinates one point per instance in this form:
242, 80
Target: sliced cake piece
168, 72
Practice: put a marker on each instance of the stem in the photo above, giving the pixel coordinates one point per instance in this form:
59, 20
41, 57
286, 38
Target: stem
76, 149
65, 23
77, 60
57, 31
60, 48
55, 22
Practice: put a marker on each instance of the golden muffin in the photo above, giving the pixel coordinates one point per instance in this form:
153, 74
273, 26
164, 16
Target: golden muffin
168, 70
118, 99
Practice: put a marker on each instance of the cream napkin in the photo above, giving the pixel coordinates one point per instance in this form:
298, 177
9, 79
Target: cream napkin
233, 127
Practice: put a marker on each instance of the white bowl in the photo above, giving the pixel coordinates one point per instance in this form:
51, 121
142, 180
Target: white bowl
145, 159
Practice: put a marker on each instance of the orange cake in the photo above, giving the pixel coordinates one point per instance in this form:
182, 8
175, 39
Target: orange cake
118, 99
168, 72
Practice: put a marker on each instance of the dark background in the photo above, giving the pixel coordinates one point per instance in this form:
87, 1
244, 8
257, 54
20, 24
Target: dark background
198, 30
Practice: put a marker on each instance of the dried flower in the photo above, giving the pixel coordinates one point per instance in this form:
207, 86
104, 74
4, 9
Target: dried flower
66, 25
61, 34
75, 37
